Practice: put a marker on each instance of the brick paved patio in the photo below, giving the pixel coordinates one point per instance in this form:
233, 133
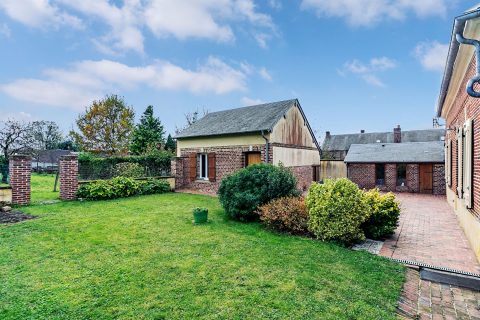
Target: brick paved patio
429, 232
428, 300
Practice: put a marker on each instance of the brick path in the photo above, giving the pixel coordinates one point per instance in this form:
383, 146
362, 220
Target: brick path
428, 300
429, 232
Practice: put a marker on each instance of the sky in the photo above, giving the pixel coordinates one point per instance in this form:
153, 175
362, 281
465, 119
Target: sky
353, 64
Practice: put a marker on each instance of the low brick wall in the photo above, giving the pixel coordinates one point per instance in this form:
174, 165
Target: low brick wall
439, 184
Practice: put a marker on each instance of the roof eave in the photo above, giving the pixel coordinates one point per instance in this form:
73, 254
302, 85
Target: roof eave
458, 26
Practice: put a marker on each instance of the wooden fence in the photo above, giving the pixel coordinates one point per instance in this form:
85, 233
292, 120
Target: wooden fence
329, 169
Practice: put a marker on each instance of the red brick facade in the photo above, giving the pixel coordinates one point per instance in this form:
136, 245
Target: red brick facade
227, 161
466, 107
20, 172
68, 169
364, 176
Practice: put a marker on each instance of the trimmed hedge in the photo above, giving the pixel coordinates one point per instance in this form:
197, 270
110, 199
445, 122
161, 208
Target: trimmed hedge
384, 216
288, 214
121, 187
92, 167
337, 210
244, 191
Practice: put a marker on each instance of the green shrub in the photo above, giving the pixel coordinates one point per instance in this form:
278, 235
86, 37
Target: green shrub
337, 210
385, 212
120, 187
244, 191
287, 214
152, 186
129, 170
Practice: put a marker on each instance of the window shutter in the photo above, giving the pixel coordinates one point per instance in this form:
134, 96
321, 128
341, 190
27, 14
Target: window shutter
448, 162
468, 167
460, 162
192, 164
212, 165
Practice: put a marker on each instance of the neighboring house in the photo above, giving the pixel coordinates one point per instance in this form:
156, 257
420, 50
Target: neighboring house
335, 147
47, 160
223, 142
400, 167
461, 111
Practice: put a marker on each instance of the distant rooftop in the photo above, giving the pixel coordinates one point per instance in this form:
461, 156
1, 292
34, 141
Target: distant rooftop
241, 120
409, 152
344, 141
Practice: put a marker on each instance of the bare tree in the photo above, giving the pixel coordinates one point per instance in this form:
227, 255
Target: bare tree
191, 118
15, 136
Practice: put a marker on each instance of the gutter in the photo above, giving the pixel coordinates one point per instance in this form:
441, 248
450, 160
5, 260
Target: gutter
267, 147
458, 28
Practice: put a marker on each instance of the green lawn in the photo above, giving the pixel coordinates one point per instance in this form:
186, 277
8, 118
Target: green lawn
42, 187
141, 258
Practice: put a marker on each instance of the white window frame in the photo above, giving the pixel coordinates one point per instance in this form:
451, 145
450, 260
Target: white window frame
468, 163
203, 160
460, 139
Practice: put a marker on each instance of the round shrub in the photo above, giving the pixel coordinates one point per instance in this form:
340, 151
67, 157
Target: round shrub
287, 214
244, 191
337, 210
128, 169
385, 212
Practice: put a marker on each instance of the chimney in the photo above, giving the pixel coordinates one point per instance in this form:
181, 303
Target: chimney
362, 131
397, 134
327, 134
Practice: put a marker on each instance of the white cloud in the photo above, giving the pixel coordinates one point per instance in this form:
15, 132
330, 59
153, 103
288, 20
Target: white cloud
432, 55
368, 71
19, 116
275, 4
5, 30
38, 13
127, 22
246, 101
370, 12
87, 80
263, 72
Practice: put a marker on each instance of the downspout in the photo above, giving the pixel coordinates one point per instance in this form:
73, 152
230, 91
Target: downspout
267, 147
458, 27
476, 78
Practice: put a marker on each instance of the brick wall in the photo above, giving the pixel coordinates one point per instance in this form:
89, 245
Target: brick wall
362, 174
466, 107
20, 172
413, 175
304, 176
68, 170
228, 160
439, 186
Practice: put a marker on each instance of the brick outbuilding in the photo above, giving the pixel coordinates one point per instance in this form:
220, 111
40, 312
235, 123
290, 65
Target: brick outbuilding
226, 141
416, 167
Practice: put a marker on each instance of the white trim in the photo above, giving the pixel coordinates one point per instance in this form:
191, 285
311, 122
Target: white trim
203, 157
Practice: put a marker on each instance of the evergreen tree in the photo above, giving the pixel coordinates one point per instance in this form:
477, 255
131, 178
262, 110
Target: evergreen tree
170, 145
148, 134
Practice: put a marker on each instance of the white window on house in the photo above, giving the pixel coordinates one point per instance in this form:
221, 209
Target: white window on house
203, 166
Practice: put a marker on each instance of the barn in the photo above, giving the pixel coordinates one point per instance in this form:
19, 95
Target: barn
223, 142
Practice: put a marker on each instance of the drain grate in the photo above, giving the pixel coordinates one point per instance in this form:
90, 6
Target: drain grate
432, 267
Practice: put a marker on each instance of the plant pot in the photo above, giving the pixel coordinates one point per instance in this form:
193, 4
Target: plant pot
200, 215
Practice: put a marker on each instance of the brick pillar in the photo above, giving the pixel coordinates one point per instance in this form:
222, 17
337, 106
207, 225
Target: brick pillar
178, 172
20, 172
68, 168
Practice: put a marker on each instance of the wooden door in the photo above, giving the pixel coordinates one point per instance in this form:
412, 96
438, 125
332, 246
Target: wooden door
253, 157
426, 178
